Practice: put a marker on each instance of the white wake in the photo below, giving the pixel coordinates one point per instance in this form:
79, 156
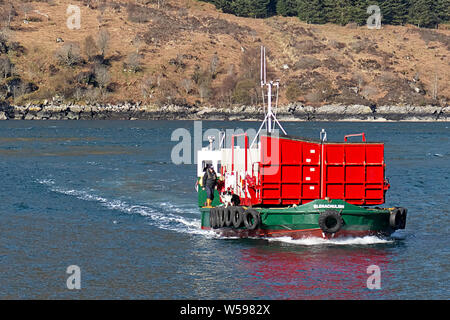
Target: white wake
163, 215
314, 241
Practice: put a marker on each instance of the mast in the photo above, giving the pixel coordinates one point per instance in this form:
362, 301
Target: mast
270, 120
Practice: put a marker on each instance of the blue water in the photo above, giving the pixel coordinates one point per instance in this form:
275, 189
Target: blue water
105, 196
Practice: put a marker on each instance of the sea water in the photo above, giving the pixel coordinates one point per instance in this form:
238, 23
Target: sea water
105, 196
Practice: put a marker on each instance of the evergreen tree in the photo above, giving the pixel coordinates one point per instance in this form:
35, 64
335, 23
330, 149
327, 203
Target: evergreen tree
312, 11
253, 8
423, 13
225, 5
358, 11
394, 11
337, 11
287, 8
443, 10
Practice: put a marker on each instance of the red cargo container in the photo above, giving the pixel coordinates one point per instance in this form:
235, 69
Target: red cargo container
296, 171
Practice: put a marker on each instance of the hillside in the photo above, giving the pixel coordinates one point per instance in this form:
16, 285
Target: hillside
186, 52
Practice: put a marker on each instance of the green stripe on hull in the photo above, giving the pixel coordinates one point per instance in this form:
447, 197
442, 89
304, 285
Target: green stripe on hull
306, 217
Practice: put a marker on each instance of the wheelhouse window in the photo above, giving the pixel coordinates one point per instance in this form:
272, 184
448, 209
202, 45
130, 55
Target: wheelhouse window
205, 163
219, 166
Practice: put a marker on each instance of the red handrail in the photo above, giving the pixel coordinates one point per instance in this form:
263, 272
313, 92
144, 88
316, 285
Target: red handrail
356, 135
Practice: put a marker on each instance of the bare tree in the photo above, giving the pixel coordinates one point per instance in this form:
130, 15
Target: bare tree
358, 78
133, 62
227, 87
18, 90
160, 3
90, 47
27, 8
99, 21
102, 6
250, 61
204, 90
69, 54
102, 77
213, 66
137, 43
434, 89
4, 37
103, 41
147, 86
5, 67
7, 13
231, 70
138, 13
187, 85
91, 95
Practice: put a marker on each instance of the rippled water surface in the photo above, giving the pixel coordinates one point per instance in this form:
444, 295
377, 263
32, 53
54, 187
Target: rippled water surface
105, 196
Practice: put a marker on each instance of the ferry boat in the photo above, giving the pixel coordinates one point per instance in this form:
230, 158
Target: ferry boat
286, 186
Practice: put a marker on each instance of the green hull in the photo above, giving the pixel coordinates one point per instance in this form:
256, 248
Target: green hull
303, 221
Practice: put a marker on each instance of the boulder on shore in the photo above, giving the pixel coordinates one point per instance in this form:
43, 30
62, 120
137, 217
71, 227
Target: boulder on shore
291, 112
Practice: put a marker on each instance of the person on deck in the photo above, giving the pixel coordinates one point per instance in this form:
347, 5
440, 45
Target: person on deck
209, 183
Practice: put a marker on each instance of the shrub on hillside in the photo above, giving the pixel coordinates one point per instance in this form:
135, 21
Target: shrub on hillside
293, 91
322, 92
309, 47
69, 54
306, 62
246, 92
133, 63
227, 87
90, 47
138, 14
6, 67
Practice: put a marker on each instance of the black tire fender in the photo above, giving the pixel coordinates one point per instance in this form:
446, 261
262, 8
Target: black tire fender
221, 217
252, 219
397, 219
330, 221
213, 218
404, 213
237, 216
228, 216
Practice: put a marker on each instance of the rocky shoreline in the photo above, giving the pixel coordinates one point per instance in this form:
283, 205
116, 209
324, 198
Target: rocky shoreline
291, 112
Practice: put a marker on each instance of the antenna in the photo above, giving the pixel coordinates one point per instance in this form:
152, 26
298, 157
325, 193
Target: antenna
265, 69
270, 116
261, 74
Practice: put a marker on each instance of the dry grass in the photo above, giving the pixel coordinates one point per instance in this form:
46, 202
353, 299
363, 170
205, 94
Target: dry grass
184, 35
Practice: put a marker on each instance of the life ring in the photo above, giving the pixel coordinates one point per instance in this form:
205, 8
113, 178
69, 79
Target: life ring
237, 216
228, 216
252, 219
330, 221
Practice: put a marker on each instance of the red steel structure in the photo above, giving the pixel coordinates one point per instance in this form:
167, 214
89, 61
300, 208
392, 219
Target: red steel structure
296, 171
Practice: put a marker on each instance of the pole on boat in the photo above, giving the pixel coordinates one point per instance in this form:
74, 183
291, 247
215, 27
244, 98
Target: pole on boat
270, 116
269, 107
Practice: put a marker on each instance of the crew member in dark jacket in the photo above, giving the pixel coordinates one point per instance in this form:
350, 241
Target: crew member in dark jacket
209, 183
